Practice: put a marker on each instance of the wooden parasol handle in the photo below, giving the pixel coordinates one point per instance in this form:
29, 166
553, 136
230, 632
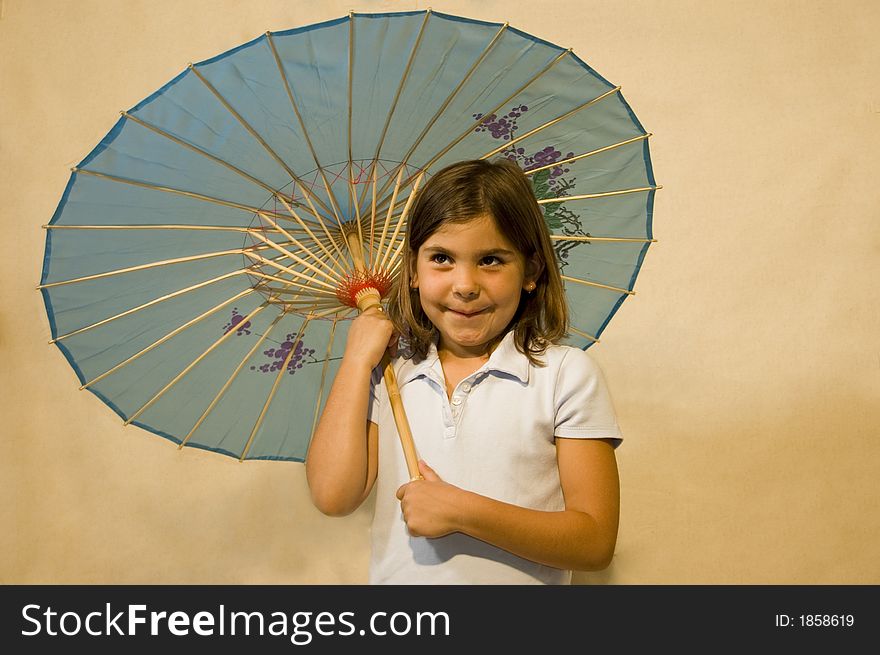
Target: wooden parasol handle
370, 298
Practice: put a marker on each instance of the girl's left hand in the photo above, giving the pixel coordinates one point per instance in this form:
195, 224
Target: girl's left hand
431, 507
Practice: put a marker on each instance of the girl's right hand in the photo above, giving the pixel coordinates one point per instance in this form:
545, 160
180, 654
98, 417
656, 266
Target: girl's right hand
369, 336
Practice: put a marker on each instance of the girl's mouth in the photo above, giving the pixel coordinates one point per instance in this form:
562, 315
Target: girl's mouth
466, 314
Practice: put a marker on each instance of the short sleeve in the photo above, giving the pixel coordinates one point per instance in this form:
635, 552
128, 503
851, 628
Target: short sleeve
584, 409
376, 388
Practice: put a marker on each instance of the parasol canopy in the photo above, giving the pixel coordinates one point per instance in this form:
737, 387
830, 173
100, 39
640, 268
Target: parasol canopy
201, 268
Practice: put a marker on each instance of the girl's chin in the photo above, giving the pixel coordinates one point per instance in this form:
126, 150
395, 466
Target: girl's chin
469, 340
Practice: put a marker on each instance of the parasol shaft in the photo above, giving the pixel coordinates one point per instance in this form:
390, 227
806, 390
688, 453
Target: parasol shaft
406, 439
371, 297
367, 300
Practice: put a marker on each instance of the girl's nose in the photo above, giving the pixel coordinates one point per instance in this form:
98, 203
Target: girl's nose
465, 285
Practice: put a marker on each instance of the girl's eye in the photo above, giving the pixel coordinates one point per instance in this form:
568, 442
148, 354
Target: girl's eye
439, 258
491, 260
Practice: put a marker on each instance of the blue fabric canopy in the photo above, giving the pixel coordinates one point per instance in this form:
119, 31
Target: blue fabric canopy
187, 246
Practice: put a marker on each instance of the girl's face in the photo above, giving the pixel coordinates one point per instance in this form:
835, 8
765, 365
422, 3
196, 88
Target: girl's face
470, 277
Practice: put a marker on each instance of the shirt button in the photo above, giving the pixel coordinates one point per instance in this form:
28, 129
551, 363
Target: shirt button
456, 401
466, 387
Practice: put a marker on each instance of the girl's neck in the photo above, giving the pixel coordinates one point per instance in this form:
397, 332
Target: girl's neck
458, 365
478, 355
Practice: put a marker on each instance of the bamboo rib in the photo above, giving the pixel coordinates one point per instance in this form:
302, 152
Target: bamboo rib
451, 96
158, 130
156, 187
343, 264
403, 215
597, 284
308, 139
353, 195
531, 171
302, 309
350, 84
168, 336
471, 129
395, 256
307, 251
583, 334
248, 127
192, 365
232, 377
149, 304
291, 283
342, 308
141, 267
550, 123
256, 232
324, 374
589, 239
605, 194
286, 269
334, 278
301, 298
289, 286
387, 220
163, 226
351, 188
373, 218
316, 294
409, 63
281, 372
189, 194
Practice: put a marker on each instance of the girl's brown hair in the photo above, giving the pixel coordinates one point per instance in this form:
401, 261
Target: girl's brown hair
460, 193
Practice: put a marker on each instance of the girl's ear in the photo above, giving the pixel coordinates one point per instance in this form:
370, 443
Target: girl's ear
413, 276
533, 270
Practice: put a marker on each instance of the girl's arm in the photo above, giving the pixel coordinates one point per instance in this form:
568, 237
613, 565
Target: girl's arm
580, 537
342, 460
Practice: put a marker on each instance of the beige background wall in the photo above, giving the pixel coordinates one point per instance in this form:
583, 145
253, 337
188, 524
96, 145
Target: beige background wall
746, 370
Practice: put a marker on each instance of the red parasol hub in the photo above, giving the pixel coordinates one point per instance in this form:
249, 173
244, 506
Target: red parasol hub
355, 284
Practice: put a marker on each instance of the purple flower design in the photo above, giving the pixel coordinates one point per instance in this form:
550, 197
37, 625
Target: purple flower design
277, 356
235, 323
549, 182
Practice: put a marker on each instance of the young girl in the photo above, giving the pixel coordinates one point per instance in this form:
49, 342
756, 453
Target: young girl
515, 435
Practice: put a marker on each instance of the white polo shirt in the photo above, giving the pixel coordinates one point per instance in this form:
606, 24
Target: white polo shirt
495, 437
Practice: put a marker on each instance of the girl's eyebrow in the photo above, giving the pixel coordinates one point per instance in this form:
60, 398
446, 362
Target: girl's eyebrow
480, 253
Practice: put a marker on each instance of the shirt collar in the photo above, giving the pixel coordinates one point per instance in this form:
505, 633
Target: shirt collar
504, 359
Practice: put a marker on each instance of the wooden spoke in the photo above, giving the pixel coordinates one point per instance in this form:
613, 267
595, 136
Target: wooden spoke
164, 189
550, 123
156, 301
307, 192
287, 269
604, 194
168, 336
472, 127
568, 278
570, 160
232, 377
590, 239
165, 262
404, 214
206, 154
409, 63
281, 372
583, 334
192, 365
450, 98
248, 127
387, 220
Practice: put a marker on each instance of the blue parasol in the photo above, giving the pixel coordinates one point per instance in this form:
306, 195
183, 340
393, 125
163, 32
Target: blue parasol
202, 266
